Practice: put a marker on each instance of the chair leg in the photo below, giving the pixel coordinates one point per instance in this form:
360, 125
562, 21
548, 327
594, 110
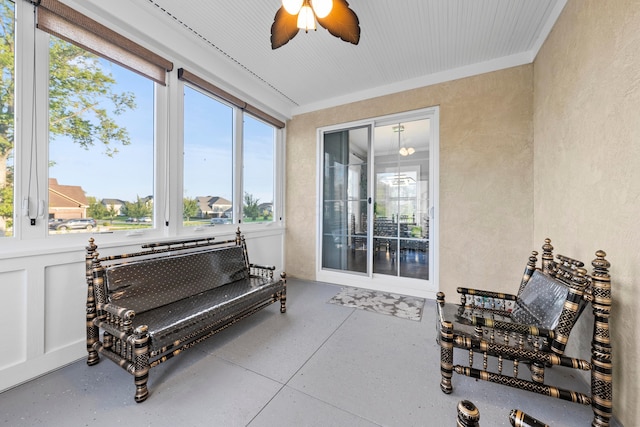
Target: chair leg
446, 357
537, 372
601, 351
283, 294
283, 302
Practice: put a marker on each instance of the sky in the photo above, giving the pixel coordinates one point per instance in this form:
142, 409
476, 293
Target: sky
207, 154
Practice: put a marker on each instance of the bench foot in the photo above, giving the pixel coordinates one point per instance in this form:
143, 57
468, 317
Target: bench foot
93, 358
140, 379
445, 386
141, 393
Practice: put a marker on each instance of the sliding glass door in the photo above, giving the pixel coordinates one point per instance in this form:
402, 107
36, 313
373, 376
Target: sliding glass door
401, 199
378, 203
345, 200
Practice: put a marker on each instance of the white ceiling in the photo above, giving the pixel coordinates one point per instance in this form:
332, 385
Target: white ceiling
404, 44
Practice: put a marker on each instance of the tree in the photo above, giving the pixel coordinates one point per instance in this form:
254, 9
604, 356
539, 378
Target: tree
138, 209
251, 209
112, 212
96, 209
189, 208
82, 100
6, 204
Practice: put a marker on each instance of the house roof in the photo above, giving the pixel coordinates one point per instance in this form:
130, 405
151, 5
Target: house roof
219, 201
108, 202
66, 196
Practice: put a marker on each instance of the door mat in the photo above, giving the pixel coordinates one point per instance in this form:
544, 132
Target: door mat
402, 306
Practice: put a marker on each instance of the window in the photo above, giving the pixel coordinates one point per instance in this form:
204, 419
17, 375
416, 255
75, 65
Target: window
258, 170
7, 97
101, 143
208, 160
91, 156
213, 175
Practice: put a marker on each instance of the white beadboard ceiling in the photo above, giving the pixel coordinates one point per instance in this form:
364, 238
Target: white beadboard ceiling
404, 44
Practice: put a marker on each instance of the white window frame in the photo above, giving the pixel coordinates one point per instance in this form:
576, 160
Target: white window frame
168, 168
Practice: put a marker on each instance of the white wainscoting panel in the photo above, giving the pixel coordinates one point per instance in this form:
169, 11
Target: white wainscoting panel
65, 305
13, 317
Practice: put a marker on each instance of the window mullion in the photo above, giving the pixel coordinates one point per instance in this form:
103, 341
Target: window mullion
238, 187
31, 138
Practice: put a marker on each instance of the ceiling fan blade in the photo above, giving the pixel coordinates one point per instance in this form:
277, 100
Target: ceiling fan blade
342, 22
283, 29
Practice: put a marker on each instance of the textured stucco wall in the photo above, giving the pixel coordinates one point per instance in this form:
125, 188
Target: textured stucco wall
587, 162
486, 173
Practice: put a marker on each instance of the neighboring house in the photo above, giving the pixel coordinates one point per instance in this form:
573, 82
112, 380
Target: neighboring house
220, 206
148, 201
213, 206
116, 204
66, 201
266, 208
204, 209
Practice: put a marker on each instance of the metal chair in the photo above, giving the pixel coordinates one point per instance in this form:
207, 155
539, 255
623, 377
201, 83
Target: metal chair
531, 328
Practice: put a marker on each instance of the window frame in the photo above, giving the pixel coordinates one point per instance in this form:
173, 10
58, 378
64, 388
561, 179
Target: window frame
238, 163
168, 168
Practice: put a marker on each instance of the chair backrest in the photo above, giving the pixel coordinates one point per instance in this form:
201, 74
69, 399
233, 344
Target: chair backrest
552, 297
541, 301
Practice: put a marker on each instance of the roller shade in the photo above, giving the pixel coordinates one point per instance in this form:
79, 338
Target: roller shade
68, 24
212, 89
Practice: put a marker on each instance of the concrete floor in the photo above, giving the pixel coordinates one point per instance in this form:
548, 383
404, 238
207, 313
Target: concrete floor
317, 365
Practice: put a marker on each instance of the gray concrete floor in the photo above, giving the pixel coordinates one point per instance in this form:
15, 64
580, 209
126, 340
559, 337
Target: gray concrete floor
317, 365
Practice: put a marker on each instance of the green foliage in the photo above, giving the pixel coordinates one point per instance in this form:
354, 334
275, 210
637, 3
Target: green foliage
251, 209
96, 209
138, 209
79, 89
7, 88
82, 103
6, 202
189, 208
112, 212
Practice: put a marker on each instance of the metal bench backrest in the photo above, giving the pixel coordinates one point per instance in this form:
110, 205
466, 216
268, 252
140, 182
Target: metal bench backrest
151, 283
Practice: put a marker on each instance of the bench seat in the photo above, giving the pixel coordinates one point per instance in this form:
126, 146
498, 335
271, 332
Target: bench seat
188, 316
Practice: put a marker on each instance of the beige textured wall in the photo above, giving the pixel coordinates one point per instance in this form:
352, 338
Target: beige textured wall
587, 161
486, 173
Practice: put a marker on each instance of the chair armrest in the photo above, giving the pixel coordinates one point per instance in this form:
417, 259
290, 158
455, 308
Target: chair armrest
263, 267
483, 293
477, 298
519, 328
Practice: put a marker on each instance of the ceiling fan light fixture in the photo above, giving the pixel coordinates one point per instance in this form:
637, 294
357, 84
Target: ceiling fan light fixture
322, 8
306, 18
406, 151
333, 15
292, 6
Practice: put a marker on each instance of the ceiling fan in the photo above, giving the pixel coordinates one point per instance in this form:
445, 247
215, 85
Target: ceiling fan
334, 15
